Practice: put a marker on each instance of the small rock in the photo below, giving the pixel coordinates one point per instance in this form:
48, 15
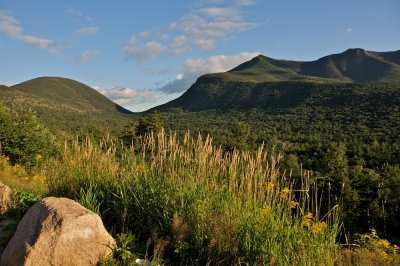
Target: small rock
58, 231
5, 198
143, 262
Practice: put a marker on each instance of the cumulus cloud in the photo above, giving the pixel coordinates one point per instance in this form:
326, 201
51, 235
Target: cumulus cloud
127, 96
202, 27
142, 52
86, 56
206, 26
11, 27
87, 31
193, 68
179, 46
220, 12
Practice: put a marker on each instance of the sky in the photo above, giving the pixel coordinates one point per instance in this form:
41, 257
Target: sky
144, 53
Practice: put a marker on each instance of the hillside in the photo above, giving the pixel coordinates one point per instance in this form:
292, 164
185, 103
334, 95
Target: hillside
268, 83
66, 105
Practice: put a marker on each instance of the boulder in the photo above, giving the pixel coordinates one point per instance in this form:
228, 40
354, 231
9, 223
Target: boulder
58, 231
5, 198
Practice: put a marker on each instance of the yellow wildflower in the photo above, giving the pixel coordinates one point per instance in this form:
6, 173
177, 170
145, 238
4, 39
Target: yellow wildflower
384, 243
382, 253
318, 227
293, 204
39, 179
265, 211
309, 215
365, 236
285, 190
270, 186
200, 207
307, 220
306, 223
38, 157
18, 170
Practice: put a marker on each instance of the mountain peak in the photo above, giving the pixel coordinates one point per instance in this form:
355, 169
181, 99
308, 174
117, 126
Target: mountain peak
354, 51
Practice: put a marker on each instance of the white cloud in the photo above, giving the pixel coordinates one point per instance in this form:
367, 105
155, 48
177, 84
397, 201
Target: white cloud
127, 96
179, 76
10, 26
205, 26
349, 30
87, 31
220, 12
193, 68
142, 52
36, 41
217, 63
202, 27
179, 46
86, 56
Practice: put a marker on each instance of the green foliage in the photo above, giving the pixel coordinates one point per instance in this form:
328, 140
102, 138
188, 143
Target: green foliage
241, 135
128, 135
291, 164
24, 139
151, 124
22, 200
125, 247
89, 198
371, 250
373, 242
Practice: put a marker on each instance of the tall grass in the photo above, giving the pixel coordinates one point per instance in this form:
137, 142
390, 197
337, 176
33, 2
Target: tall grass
193, 203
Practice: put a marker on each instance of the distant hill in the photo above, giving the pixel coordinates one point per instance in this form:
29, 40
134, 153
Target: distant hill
268, 83
66, 105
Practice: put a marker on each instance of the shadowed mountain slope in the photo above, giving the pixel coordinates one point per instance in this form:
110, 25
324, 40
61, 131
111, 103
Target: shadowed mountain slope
268, 83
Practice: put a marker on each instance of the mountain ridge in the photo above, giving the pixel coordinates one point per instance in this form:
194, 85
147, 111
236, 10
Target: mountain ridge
261, 75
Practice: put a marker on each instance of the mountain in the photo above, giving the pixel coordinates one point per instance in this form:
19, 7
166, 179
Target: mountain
66, 104
356, 65
268, 83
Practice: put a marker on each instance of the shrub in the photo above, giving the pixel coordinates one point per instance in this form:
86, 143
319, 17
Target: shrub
23, 138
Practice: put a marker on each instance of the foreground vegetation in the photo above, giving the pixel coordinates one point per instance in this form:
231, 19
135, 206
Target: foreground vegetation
183, 200
190, 203
237, 209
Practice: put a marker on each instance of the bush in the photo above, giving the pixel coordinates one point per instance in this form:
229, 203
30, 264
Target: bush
23, 138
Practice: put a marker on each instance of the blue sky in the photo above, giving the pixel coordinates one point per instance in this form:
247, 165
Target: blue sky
144, 53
